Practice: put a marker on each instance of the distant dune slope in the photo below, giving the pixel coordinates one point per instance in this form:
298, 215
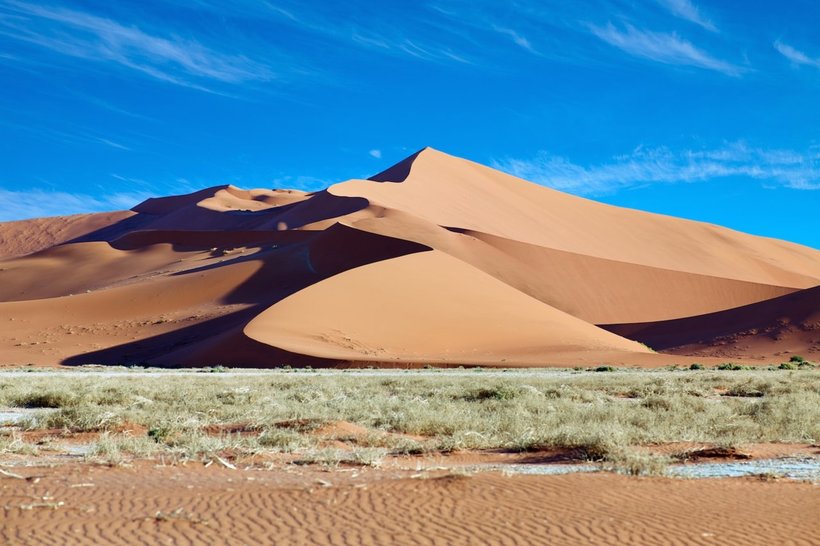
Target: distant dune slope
26, 236
779, 327
434, 260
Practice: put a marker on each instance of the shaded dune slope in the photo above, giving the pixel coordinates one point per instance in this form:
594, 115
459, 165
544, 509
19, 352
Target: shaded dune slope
434, 260
780, 326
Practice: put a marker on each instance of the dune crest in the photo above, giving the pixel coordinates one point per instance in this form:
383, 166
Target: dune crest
434, 260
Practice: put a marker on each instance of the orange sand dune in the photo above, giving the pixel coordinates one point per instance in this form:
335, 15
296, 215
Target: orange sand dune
27, 236
453, 192
76, 268
594, 289
779, 327
228, 208
173, 316
425, 307
435, 260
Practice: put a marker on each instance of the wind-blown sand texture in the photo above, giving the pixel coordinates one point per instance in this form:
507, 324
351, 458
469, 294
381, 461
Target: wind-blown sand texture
437, 260
196, 505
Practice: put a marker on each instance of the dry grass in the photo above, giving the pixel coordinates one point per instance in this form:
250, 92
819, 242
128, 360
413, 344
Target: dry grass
602, 415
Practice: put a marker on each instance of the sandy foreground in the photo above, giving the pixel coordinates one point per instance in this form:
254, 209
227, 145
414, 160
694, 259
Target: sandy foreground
194, 504
73, 485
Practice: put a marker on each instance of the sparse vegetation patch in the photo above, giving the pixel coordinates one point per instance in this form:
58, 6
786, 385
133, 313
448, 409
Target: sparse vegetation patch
348, 418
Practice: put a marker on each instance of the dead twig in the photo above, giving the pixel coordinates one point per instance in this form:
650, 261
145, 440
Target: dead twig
8, 474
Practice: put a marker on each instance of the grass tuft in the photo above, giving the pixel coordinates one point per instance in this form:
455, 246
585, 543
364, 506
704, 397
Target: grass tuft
599, 415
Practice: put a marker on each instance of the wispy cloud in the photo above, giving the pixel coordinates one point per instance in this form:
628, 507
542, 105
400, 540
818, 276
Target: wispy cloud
376, 153
688, 11
168, 58
667, 48
385, 30
660, 165
131, 180
113, 144
35, 203
517, 38
72, 135
796, 56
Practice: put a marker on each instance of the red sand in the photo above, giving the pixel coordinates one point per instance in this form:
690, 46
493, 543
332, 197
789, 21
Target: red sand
436, 260
191, 504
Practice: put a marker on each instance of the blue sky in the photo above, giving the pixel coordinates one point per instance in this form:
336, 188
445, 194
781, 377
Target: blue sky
703, 109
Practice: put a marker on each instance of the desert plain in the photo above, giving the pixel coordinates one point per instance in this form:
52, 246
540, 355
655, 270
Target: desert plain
440, 354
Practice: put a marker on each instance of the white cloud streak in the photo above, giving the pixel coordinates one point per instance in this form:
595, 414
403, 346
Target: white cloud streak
517, 38
667, 48
171, 58
376, 153
688, 11
36, 203
785, 168
74, 135
796, 56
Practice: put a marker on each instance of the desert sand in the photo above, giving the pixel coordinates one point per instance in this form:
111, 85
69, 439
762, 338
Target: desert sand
437, 260
193, 504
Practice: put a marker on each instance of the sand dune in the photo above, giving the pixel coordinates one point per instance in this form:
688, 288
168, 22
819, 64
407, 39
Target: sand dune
434, 260
425, 307
75, 268
788, 325
27, 236
594, 289
458, 193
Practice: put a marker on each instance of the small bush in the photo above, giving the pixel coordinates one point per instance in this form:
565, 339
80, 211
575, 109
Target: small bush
797, 358
745, 391
161, 434
696, 366
663, 403
731, 366
637, 463
501, 392
48, 399
787, 366
286, 440
604, 369
79, 419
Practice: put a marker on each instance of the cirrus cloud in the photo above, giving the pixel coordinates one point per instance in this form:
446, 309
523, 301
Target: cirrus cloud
662, 47
786, 168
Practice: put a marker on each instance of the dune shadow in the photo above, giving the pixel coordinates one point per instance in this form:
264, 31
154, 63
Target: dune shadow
175, 349
399, 172
767, 318
180, 221
284, 271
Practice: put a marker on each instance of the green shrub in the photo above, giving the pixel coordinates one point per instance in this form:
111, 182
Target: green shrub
48, 399
729, 366
500, 392
696, 366
797, 358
